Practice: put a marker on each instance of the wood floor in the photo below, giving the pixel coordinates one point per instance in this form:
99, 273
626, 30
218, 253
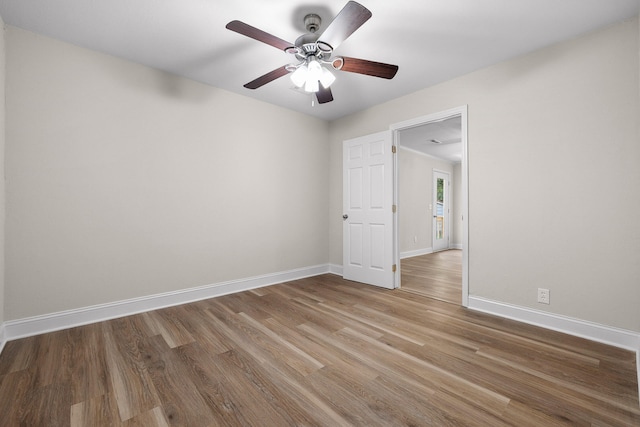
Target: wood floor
437, 275
319, 351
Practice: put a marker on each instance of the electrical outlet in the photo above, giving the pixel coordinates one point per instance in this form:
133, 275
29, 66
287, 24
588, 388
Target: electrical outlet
543, 296
415, 239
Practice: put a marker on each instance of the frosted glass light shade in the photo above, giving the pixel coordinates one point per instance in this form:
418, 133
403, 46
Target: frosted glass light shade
327, 78
315, 70
299, 76
311, 75
311, 85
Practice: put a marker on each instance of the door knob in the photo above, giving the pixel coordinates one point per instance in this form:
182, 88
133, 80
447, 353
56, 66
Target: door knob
345, 216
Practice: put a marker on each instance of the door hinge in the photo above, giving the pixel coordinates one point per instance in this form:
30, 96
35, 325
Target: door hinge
394, 208
394, 268
393, 149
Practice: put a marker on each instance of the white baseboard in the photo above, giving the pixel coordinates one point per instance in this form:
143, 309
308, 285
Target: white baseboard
638, 370
335, 269
36, 325
417, 252
3, 340
621, 338
456, 246
616, 337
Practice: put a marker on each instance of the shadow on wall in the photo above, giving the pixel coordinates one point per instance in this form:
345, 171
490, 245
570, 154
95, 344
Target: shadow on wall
188, 89
162, 83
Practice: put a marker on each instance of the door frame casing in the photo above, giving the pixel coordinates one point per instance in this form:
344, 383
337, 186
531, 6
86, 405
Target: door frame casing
418, 121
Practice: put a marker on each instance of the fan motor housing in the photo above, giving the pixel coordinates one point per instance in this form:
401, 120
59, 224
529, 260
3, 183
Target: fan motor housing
312, 22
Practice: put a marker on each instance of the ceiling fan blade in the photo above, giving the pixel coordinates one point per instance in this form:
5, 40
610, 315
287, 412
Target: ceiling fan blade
256, 34
324, 95
267, 78
370, 68
350, 18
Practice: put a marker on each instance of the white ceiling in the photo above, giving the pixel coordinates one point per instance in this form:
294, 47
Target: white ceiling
431, 41
447, 132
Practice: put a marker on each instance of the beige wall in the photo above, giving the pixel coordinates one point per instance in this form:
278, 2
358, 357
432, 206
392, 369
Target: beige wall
123, 181
2, 183
415, 188
554, 181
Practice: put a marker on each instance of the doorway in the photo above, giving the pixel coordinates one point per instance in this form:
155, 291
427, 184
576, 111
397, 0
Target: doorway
432, 137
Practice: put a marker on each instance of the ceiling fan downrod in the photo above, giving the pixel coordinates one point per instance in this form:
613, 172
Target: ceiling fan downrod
312, 22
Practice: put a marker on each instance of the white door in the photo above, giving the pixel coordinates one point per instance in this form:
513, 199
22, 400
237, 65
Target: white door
441, 196
367, 180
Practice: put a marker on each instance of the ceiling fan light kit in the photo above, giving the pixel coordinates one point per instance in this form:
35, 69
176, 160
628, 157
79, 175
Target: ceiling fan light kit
310, 74
313, 52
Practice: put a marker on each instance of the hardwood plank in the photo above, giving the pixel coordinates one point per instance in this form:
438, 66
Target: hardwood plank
256, 400
16, 390
180, 399
351, 405
198, 323
295, 352
166, 322
152, 418
272, 346
18, 355
213, 385
129, 379
48, 406
281, 374
88, 364
429, 408
52, 363
96, 411
437, 275
475, 393
324, 354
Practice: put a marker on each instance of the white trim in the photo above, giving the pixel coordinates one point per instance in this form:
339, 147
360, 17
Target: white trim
434, 117
396, 223
464, 186
638, 367
36, 325
456, 246
621, 338
3, 340
420, 153
462, 111
417, 252
335, 269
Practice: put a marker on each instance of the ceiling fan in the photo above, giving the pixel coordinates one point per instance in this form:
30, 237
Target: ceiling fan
313, 52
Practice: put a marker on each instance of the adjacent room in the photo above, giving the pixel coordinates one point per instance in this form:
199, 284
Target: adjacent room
284, 213
430, 222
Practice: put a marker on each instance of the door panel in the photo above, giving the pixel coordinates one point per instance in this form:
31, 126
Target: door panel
367, 204
355, 245
355, 188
